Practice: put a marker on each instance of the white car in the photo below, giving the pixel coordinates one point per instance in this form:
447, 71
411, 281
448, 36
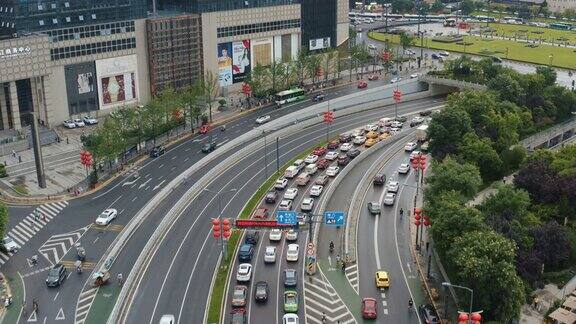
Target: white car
396, 124
263, 119
311, 159
394, 130
372, 46
444, 53
331, 156
316, 190
307, 204
244, 272
89, 120
345, 147
275, 235
167, 319
357, 132
404, 168
359, 140
290, 319
10, 245
332, 171
414, 154
281, 184
106, 217
414, 75
69, 124
392, 186
410, 146
285, 205
397, 79
270, 254
291, 193
292, 253
371, 127
79, 122
389, 199
291, 235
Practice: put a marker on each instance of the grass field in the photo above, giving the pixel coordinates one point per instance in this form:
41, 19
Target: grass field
561, 56
534, 33
507, 14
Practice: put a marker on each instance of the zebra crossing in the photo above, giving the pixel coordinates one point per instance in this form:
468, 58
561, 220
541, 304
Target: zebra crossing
320, 298
352, 276
58, 245
32, 224
83, 304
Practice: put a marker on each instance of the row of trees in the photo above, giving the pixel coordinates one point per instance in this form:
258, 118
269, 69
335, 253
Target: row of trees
130, 126
500, 247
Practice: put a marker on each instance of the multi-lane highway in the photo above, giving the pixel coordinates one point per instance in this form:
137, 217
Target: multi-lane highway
64, 224
178, 276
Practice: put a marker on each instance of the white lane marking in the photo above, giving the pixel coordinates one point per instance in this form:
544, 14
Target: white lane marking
174, 157
144, 184
56, 296
158, 185
160, 166
134, 199
115, 200
186, 159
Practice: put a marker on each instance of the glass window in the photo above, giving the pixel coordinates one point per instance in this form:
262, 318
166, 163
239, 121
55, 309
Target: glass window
67, 4
54, 21
53, 6
41, 22
93, 16
68, 19
81, 18
40, 7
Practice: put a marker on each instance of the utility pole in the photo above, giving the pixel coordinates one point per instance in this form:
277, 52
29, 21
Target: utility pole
265, 156
37, 147
277, 155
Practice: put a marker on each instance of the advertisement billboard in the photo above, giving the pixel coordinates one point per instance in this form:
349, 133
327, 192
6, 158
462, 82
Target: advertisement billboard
319, 43
262, 51
81, 87
240, 60
117, 81
225, 64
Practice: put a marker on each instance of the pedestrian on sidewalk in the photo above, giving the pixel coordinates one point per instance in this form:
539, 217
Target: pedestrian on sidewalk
13, 154
343, 266
337, 258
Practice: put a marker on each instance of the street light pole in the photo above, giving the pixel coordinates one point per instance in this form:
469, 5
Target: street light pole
447, 284
265, 155
218, 195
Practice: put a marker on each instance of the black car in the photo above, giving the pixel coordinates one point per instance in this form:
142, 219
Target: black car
208, 147
401, 119
319, 97
345, 138
157, 151
435, 56
343, 159
379, 179
252, 237
428, 314
261, 292
290, 278
271, 197
426, 113
238, 316
352, 153
56, 276
246, 252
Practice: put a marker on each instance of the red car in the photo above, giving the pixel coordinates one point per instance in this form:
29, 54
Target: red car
205, 129
373, 77
260, 213
362, 84
319, 151
369, 308
322, 163
332, 145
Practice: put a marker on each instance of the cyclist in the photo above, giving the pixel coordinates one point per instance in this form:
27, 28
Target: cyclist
410, 304
401, 213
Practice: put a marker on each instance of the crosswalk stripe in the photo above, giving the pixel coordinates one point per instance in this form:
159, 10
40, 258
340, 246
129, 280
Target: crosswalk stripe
4, 255
33, 221
331, 292
318, 296
60, 204
48, 211
330, 308
87, 292
2, 261
25, 230
21, 239
54, 208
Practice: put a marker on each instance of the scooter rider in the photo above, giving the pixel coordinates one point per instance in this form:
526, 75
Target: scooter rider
331, 246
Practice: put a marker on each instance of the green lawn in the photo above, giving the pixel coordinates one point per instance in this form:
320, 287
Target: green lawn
534, 33
507, 14
561, 56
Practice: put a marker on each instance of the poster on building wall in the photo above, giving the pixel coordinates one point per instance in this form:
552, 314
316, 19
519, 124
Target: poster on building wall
81, 88
117, 83
225, 64
319, 43
85, 82
240, 60
262, 51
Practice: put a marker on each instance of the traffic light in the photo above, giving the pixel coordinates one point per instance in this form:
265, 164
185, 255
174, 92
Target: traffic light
417, 216
216, 228
226, 228
86, 158
328, 116
397, 95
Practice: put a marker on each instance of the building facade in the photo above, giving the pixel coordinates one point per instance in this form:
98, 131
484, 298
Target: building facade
561, 5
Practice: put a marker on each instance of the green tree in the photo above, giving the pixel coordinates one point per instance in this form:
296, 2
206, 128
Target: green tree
313, 66
548, 73
437, 6
277, 72
484, 261
258, 80
467, 6
480, 152
563, 99
513, 157
191, 100
402, 6
300, 66
209, 90
508, 88
450, 175
153, 118
3, 219
446, 131
406, 40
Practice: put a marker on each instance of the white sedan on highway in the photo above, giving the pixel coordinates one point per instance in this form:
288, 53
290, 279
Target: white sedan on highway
275, 235
404, 168
292, 253
244, 272
410, 146
311, 159
359, 140
392, 186
389, 199
332, 171
307, 204
331, 156
345, 147
106, 217
263, 119
291, 193
316, 190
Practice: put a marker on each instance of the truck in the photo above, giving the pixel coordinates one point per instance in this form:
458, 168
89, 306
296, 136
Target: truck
422, 133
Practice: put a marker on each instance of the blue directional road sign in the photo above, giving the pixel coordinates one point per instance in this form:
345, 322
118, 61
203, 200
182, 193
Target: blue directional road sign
286, 217
334, 218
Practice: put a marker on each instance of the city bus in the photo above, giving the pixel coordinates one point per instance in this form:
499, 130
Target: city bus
288, 96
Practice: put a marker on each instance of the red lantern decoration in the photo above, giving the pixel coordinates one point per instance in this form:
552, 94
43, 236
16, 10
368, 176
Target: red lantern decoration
86, 158
246, 89
216, 228
426, 220
463, 317
397, 95
216, 234
476, 318
226, 221
215, 221
328, 116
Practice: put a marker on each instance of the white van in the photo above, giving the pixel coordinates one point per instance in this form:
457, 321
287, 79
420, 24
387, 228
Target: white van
299, 164
385, 121
291, 172
311, 168
303, 179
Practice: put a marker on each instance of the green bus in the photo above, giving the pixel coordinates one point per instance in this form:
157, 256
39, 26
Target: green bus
288, 96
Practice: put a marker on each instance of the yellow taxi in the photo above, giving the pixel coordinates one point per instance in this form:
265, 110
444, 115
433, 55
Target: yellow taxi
372, 134
382, 280
384, 136
371, 141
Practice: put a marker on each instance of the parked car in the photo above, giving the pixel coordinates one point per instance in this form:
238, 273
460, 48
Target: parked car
56, 275
157, 151
425, 113
396, 79
69, 123
414, 75
239, 296
319, 97
271, 197
205, 128
261, 292
362, 84
444, 53
79, 122
428, 314
89, 120
416, 121
373, 77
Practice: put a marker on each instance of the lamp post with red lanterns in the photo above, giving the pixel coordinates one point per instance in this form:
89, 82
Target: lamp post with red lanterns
221, 228
419, 165
328, 119
470, 318
397, 95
